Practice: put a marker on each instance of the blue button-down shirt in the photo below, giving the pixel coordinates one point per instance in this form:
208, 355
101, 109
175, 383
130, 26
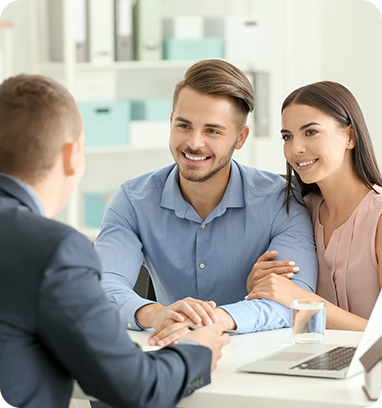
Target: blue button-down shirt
149, 222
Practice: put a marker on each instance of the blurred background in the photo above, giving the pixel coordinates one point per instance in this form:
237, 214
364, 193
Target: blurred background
122, 58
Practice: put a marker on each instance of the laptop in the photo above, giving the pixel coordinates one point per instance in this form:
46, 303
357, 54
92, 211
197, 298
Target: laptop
321, 360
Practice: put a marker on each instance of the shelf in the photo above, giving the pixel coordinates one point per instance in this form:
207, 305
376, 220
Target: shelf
134, 65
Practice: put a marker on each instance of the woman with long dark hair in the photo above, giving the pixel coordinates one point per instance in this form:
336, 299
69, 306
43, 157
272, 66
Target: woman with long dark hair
328, 149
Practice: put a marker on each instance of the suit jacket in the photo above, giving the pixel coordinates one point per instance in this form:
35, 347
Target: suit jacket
56, 324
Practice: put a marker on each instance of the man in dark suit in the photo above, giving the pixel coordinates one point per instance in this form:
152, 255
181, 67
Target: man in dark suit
55, 323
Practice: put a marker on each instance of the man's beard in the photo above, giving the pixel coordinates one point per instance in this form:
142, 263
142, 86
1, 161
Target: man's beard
190, 174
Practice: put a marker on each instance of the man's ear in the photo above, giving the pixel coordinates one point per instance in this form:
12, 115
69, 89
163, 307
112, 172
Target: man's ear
242, 137
68, 158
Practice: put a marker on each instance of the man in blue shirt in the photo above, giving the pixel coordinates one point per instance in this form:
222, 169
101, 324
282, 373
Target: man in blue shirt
200, 225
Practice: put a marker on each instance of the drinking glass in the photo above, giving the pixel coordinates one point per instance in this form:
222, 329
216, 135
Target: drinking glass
309, 320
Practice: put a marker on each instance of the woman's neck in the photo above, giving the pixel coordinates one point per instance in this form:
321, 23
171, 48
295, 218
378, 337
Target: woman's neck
342, 196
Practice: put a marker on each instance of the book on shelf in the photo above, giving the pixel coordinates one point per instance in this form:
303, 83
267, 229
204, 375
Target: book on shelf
101, 31
79, 27
124, 50
147, 30
107, 30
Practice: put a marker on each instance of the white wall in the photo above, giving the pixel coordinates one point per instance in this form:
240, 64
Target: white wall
297, 39
302, 42
24, 37
351, 48
348, 50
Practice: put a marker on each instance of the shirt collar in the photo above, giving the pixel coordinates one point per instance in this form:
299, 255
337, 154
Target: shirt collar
173, 200
25, 186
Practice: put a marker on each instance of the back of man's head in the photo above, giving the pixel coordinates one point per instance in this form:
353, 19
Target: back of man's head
37, 116
218, 77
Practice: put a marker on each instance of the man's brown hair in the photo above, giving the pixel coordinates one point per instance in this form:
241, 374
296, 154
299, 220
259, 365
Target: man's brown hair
37, 117
218, 77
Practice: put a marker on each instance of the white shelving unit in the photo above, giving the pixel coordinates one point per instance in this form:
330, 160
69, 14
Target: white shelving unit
108, 167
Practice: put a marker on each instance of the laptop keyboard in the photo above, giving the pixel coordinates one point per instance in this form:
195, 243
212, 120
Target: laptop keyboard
333, 360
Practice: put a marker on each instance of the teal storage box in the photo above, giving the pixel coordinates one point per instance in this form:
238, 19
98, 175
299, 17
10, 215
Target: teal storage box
95, 207
106, 123
151, 109
195, 49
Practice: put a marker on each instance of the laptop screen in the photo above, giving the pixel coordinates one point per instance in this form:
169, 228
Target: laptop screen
371, 334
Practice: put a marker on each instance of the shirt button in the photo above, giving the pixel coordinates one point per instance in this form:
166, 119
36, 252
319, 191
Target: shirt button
204, 226
129, 325
202, 266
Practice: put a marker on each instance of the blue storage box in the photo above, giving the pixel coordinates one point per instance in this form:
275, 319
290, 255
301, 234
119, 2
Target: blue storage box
151, 109
106, 123
204, 48
95, 207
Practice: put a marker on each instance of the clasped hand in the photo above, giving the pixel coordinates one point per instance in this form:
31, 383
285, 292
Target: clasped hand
173, 321
271, 280
264, 266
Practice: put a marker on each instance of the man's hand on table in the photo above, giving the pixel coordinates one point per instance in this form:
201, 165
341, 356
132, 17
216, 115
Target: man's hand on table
170, 332
211, 336
198, 311
173, 321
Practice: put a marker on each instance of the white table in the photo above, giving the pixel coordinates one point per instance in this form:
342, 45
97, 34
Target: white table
233, 389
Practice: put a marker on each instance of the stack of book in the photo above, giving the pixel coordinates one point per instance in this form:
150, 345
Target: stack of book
121, 30
108, 30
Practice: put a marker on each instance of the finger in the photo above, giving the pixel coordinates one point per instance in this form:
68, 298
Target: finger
164, 314
211, 303
191, 300
173, 315
153, 338
167, 327
259, 295
206, 311
262, 270
280, 270
173, 338
170, 334
267, 255
275, 264
286, 271
198, 312
265, 280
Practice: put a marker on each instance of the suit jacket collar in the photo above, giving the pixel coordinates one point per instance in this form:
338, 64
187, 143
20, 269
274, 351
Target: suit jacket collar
11, 189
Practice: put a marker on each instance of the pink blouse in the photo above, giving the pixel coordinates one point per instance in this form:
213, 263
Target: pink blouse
348, 269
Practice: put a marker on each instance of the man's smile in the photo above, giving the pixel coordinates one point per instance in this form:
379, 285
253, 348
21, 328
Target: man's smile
196, 158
